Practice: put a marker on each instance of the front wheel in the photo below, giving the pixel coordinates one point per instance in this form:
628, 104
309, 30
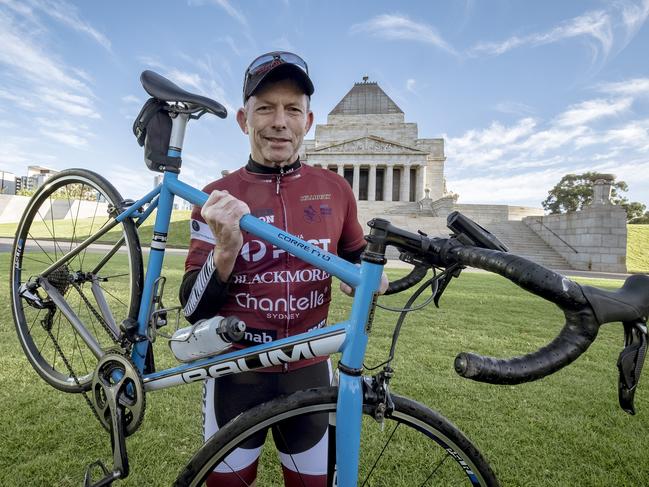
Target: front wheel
415, 446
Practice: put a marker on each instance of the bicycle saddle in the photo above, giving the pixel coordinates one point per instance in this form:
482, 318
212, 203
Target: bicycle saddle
161, 88
629, 303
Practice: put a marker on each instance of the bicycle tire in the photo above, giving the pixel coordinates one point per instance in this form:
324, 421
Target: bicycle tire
84, 200
446, 452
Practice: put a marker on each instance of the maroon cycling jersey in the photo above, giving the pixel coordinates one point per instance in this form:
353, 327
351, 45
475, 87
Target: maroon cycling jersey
273, 292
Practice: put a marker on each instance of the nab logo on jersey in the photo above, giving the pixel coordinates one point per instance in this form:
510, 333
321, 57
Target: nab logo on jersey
253, 251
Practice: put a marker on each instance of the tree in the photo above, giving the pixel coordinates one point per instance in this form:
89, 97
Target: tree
644, 219
575, 191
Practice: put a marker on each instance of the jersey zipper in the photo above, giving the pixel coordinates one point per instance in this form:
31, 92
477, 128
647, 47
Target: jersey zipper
288, 285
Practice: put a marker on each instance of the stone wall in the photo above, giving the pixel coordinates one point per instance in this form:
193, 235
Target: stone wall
12, 208
593, 239
496, 213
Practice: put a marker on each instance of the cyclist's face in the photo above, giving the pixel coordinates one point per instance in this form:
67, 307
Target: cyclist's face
276, 119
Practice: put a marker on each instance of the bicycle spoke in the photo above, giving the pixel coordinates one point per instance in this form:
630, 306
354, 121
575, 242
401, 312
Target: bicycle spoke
236, 473
435, 469
34, 321
26, 257
112, 295
40, 247
85, 365
381, 454
92, 224
116, 275
286, 447
53, 232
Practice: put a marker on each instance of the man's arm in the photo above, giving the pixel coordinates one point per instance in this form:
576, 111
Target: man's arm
203, 291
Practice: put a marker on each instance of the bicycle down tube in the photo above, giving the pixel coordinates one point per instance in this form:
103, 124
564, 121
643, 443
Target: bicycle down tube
349, 337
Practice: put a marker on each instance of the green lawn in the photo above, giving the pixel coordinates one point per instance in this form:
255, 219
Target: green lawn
565, 430
637, 242
637, 249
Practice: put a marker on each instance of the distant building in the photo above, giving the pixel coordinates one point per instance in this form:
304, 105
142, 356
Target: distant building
7, 182
36, 176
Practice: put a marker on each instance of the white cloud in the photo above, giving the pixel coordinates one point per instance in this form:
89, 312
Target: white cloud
480, 147
399, 27
225, 5
508, 189
68, 15
632, 87
591, 110
513, 108
131, 99
18, 152
410, 86
519, 163
282, 44
71, 134
77, 105
594, 25
634, 15
604, 31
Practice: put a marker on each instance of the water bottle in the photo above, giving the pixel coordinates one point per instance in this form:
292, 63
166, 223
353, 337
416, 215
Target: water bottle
206, 337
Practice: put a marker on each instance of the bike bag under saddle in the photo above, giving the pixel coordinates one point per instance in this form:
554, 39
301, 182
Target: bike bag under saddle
152, 129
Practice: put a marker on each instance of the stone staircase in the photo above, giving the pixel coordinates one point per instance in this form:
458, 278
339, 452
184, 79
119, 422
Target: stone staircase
522, 240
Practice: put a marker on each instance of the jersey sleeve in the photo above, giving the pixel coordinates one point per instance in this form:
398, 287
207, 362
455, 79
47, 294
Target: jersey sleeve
201, 241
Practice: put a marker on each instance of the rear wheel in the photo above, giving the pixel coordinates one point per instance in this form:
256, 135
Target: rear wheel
101, 285
416, 446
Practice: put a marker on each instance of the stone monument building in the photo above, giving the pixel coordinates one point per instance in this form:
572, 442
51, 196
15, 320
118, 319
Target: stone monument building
398, 175
367, 141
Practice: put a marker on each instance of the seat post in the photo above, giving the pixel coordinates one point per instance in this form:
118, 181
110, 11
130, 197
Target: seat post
178, 125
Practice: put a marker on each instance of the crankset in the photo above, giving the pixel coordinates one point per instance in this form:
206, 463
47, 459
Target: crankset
118, 398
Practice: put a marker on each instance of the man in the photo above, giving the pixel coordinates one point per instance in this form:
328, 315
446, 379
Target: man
232, 273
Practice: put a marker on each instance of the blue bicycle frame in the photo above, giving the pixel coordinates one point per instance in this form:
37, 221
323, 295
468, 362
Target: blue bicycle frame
348, 337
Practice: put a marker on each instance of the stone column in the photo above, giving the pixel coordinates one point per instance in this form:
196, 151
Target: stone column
405, 184
341, 170
357, 179
421, 177
371, 186
387, 189
602, 190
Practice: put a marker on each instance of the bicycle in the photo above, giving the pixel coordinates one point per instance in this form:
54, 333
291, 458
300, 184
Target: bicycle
101, 337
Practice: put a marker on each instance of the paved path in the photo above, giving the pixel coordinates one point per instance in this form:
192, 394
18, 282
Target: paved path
7, 243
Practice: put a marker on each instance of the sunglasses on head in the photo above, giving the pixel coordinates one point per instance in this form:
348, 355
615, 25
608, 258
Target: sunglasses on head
266, 62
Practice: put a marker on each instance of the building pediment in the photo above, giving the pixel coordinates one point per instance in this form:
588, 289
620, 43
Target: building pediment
367, 145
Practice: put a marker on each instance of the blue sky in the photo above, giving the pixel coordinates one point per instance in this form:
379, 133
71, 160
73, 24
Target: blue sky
522, 92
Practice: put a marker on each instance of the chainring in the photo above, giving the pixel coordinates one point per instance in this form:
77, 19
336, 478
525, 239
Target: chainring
117, 377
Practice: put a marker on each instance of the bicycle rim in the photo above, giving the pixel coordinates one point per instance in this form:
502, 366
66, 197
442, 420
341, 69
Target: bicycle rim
64, 212
415, 446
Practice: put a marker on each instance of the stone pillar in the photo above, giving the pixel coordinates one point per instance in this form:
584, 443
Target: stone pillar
357, 179
387, 188
371, 186
421, 177
341, 170
602, 190
405, 184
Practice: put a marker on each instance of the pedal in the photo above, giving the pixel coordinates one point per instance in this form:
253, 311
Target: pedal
630, 363
108, 477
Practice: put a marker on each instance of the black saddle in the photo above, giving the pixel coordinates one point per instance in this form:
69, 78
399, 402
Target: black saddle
161, 88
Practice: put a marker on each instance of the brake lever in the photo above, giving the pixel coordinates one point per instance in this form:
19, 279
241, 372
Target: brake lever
443, 282
630, 362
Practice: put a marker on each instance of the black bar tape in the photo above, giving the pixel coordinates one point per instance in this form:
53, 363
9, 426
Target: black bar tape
576, 336
406, 282
578, 333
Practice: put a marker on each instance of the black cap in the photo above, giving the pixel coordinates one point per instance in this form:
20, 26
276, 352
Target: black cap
275, 66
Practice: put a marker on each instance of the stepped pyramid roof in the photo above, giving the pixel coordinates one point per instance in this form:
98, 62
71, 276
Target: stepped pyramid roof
365, 98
